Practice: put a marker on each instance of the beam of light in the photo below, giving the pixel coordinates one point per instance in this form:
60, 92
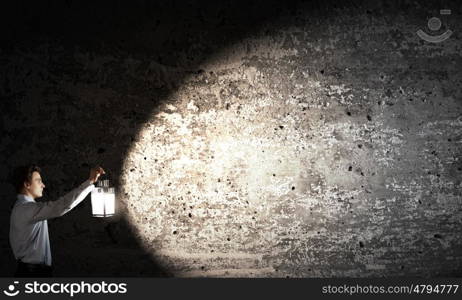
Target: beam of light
256, 165
219, 173
200, 179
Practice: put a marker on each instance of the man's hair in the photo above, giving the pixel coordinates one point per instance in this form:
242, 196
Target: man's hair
23, 174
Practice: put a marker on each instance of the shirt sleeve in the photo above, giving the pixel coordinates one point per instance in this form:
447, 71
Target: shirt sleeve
40, 211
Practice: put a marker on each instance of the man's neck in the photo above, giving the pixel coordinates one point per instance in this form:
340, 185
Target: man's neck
27, 194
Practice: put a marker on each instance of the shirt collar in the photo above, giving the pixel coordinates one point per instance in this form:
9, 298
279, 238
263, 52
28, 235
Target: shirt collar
25, 198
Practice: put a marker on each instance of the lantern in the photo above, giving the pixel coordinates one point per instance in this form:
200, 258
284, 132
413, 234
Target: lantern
103, 199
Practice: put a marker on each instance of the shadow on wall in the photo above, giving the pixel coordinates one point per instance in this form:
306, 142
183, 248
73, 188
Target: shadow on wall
78, 80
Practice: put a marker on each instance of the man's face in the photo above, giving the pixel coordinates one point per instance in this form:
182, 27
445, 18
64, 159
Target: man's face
36, 186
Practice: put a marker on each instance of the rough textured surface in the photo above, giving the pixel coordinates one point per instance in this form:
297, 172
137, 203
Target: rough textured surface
310, 141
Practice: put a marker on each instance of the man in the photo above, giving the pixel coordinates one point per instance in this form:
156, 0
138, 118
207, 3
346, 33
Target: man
28, 224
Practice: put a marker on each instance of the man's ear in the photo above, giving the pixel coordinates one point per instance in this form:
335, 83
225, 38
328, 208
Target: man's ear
26, 185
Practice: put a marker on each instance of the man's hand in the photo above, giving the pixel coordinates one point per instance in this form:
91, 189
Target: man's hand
95, 173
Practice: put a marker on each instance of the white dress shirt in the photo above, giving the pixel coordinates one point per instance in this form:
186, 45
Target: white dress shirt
28, 223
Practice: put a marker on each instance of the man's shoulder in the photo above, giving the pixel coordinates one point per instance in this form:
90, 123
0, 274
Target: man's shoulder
24, 204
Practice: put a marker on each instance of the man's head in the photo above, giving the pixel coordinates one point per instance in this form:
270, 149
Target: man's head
27, 181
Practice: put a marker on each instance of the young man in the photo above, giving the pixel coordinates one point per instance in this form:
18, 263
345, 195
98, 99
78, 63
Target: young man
28, 223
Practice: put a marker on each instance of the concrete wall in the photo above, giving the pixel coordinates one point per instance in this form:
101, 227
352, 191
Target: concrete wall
245, 140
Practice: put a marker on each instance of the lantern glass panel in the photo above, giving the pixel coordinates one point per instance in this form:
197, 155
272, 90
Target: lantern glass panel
103, 200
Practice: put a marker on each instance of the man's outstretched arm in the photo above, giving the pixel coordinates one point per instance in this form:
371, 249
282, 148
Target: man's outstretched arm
51, 209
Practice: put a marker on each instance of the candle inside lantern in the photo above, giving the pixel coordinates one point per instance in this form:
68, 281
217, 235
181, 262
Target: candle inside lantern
103, 200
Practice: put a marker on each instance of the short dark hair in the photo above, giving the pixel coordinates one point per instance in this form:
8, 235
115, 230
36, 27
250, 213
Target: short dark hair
23, 174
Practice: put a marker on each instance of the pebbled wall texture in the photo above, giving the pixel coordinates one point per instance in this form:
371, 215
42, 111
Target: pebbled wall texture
245, 139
